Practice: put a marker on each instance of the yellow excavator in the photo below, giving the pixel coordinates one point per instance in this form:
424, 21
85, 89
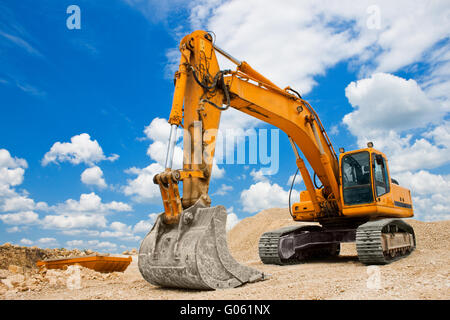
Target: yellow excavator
357, 202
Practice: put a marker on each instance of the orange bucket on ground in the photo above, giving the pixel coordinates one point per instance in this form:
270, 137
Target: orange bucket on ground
100, 263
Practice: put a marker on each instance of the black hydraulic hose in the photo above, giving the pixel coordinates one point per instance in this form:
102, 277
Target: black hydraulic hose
315, 183
214, 83
215, 105
290, 191
218, 79
298, 94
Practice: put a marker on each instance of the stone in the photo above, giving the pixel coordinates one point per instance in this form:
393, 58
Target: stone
15, 269
14, 281
7, 282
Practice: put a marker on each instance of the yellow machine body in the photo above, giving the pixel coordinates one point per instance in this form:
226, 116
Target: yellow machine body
187, 244
392, 201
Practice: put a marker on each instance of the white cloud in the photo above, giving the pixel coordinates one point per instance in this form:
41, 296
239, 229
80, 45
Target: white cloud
11, 177
92, 244
13, 229
93, 176
89, 203
88, 212
26, 241
47, 241
18, 203
217, 172
263, 174
6, 161
75, 243
159, 130
424, 182
263, 195
314, 36
142, 187
83, 232
21, 203
120, 230
11, 170
258, 175
298, 179
73, 221
440, 134
386, 102
157, 151
223, 190
142, 226
20, 218
80, 149
102, 244
232, 219
145, 225
387, 109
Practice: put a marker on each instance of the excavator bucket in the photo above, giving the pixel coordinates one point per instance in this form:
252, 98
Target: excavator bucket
192, 253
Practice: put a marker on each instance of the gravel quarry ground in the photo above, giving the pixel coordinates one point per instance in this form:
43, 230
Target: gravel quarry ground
422, 275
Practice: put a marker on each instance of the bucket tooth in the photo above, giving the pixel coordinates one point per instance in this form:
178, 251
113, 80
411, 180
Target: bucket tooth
193, 253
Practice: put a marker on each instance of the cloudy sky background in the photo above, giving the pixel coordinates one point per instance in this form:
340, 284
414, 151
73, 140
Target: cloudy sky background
83, 126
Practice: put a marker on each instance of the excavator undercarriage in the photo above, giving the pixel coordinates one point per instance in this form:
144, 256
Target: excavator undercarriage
377, 242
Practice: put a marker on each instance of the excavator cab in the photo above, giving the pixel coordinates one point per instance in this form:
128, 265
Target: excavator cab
367, 188
364, 176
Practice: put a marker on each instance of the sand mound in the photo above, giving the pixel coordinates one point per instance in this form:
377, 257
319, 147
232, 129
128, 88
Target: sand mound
244, 237
422, 275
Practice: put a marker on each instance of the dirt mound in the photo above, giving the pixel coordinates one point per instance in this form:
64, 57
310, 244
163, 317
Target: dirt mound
244, 237
16, 279
26, 257
422, 275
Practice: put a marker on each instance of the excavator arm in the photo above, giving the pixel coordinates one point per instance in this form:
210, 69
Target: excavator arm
203, 91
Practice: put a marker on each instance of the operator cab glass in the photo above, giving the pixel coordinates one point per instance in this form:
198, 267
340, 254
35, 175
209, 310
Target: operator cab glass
356, 181
381, 179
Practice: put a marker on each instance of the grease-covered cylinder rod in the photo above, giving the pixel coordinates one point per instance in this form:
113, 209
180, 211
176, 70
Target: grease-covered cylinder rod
171, 146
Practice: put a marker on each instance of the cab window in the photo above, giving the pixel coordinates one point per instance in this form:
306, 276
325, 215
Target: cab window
356, 179
380, 175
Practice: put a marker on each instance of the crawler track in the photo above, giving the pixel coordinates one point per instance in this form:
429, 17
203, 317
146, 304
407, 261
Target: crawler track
369, 241
377, 242
268, 246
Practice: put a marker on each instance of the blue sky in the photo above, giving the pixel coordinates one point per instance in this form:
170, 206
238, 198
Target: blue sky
81, 131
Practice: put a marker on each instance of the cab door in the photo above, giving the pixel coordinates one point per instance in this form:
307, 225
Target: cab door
381, 185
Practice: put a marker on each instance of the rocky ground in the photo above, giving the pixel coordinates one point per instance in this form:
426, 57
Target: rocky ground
422, 275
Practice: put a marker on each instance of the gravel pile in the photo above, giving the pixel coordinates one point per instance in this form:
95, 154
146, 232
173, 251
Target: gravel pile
26, 257
425, 274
